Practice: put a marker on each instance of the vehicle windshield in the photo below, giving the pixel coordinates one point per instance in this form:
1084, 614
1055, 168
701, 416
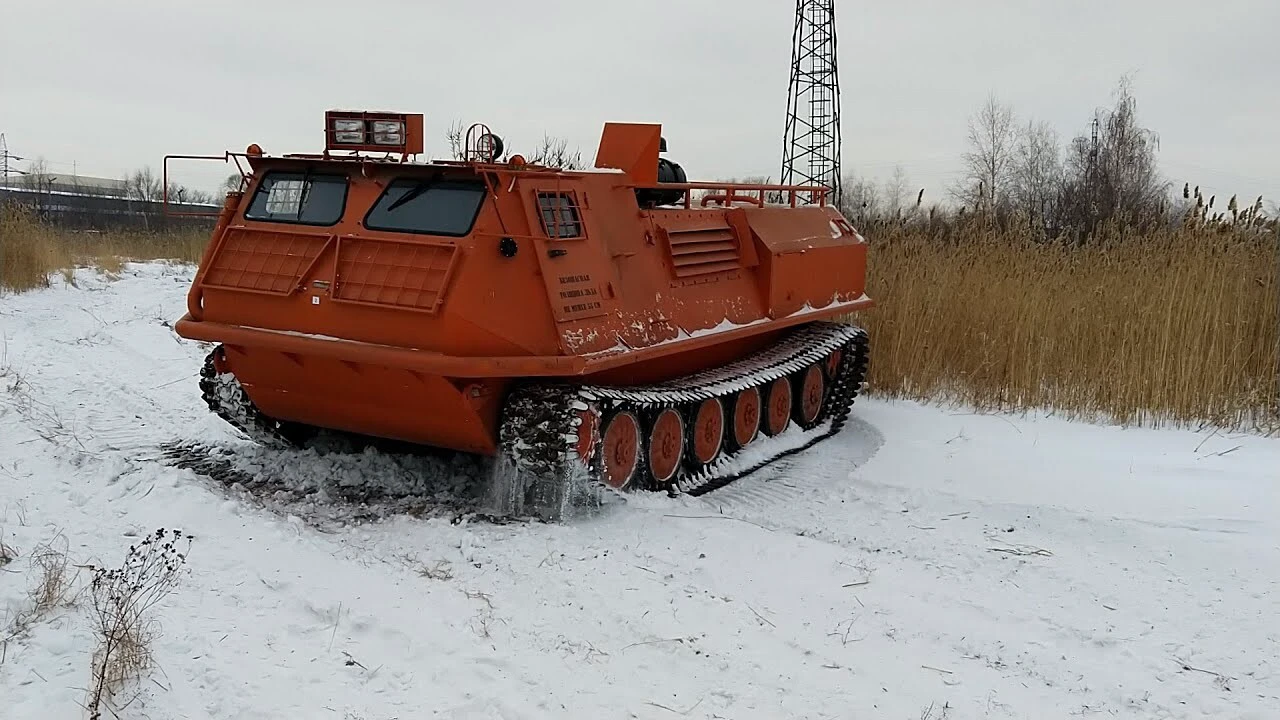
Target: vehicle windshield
428, 205
303, 198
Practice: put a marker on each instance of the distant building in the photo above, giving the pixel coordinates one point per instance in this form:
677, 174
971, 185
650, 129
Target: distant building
67, 183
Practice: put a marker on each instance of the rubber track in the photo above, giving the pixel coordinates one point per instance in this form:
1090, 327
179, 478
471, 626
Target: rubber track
540, 431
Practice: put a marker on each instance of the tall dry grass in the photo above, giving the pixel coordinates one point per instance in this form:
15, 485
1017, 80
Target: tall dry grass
1174, 326
31, 252
1178, 327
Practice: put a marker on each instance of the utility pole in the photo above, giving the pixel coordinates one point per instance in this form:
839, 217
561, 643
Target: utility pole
811, 142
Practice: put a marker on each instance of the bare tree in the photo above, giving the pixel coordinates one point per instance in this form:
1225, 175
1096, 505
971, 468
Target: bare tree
178, 194
860, 201
895, 193
1111, 171
37, 176
457, 140
231, 183
38, 179
181, 194
989, 161
144, 185
1036, 183
554, 152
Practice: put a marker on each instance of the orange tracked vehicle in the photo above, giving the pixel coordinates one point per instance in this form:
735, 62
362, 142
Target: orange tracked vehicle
616, 328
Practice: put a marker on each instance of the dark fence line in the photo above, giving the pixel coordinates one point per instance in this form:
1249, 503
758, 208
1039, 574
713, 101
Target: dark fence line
75, 211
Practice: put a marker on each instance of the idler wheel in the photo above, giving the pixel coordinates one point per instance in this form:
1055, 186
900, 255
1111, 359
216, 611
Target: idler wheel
813, 390
666, 445
746, 416
708, 431
620, 450
777, 407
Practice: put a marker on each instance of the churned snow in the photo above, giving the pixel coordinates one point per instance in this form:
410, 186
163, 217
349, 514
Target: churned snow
924, 561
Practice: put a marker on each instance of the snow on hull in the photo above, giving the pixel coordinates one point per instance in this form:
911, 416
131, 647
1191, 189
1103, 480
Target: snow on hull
1001, 567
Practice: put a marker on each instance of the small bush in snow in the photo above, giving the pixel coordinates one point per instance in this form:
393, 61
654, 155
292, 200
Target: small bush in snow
122, 599
50, 589
54, 580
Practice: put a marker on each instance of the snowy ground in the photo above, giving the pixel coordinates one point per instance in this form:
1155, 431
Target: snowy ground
987, 566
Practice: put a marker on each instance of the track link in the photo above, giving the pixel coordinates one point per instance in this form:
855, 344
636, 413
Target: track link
552, 445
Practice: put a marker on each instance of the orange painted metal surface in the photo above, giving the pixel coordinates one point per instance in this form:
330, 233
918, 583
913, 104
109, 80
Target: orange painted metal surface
416, 333
632, 148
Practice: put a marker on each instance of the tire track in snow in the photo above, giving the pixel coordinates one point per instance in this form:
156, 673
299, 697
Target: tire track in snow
821, 470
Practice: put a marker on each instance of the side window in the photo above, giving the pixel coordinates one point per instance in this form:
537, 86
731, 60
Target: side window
559, 215
300, 198
429, 206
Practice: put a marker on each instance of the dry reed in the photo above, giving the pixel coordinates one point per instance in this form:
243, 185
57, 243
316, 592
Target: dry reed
1175, 327
32, 252
51, 589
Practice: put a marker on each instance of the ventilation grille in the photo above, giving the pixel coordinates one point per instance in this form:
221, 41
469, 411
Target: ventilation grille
703, 250
264, 262
388, 273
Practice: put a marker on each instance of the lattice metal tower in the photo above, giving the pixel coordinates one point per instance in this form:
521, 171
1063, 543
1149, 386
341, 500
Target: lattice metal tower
5, 157
811, 146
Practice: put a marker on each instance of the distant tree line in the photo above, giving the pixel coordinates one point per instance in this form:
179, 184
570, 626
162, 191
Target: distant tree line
135, 202
142, 184
1018, 174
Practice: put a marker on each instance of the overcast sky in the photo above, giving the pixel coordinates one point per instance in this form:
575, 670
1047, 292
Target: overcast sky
115, 85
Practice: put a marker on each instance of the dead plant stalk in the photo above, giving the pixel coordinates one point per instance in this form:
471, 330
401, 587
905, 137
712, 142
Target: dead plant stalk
122, 601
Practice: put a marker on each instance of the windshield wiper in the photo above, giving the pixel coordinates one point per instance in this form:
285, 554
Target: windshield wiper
421, 187
302, 194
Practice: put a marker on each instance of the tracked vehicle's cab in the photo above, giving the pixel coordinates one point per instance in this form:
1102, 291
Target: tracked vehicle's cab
360, 289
